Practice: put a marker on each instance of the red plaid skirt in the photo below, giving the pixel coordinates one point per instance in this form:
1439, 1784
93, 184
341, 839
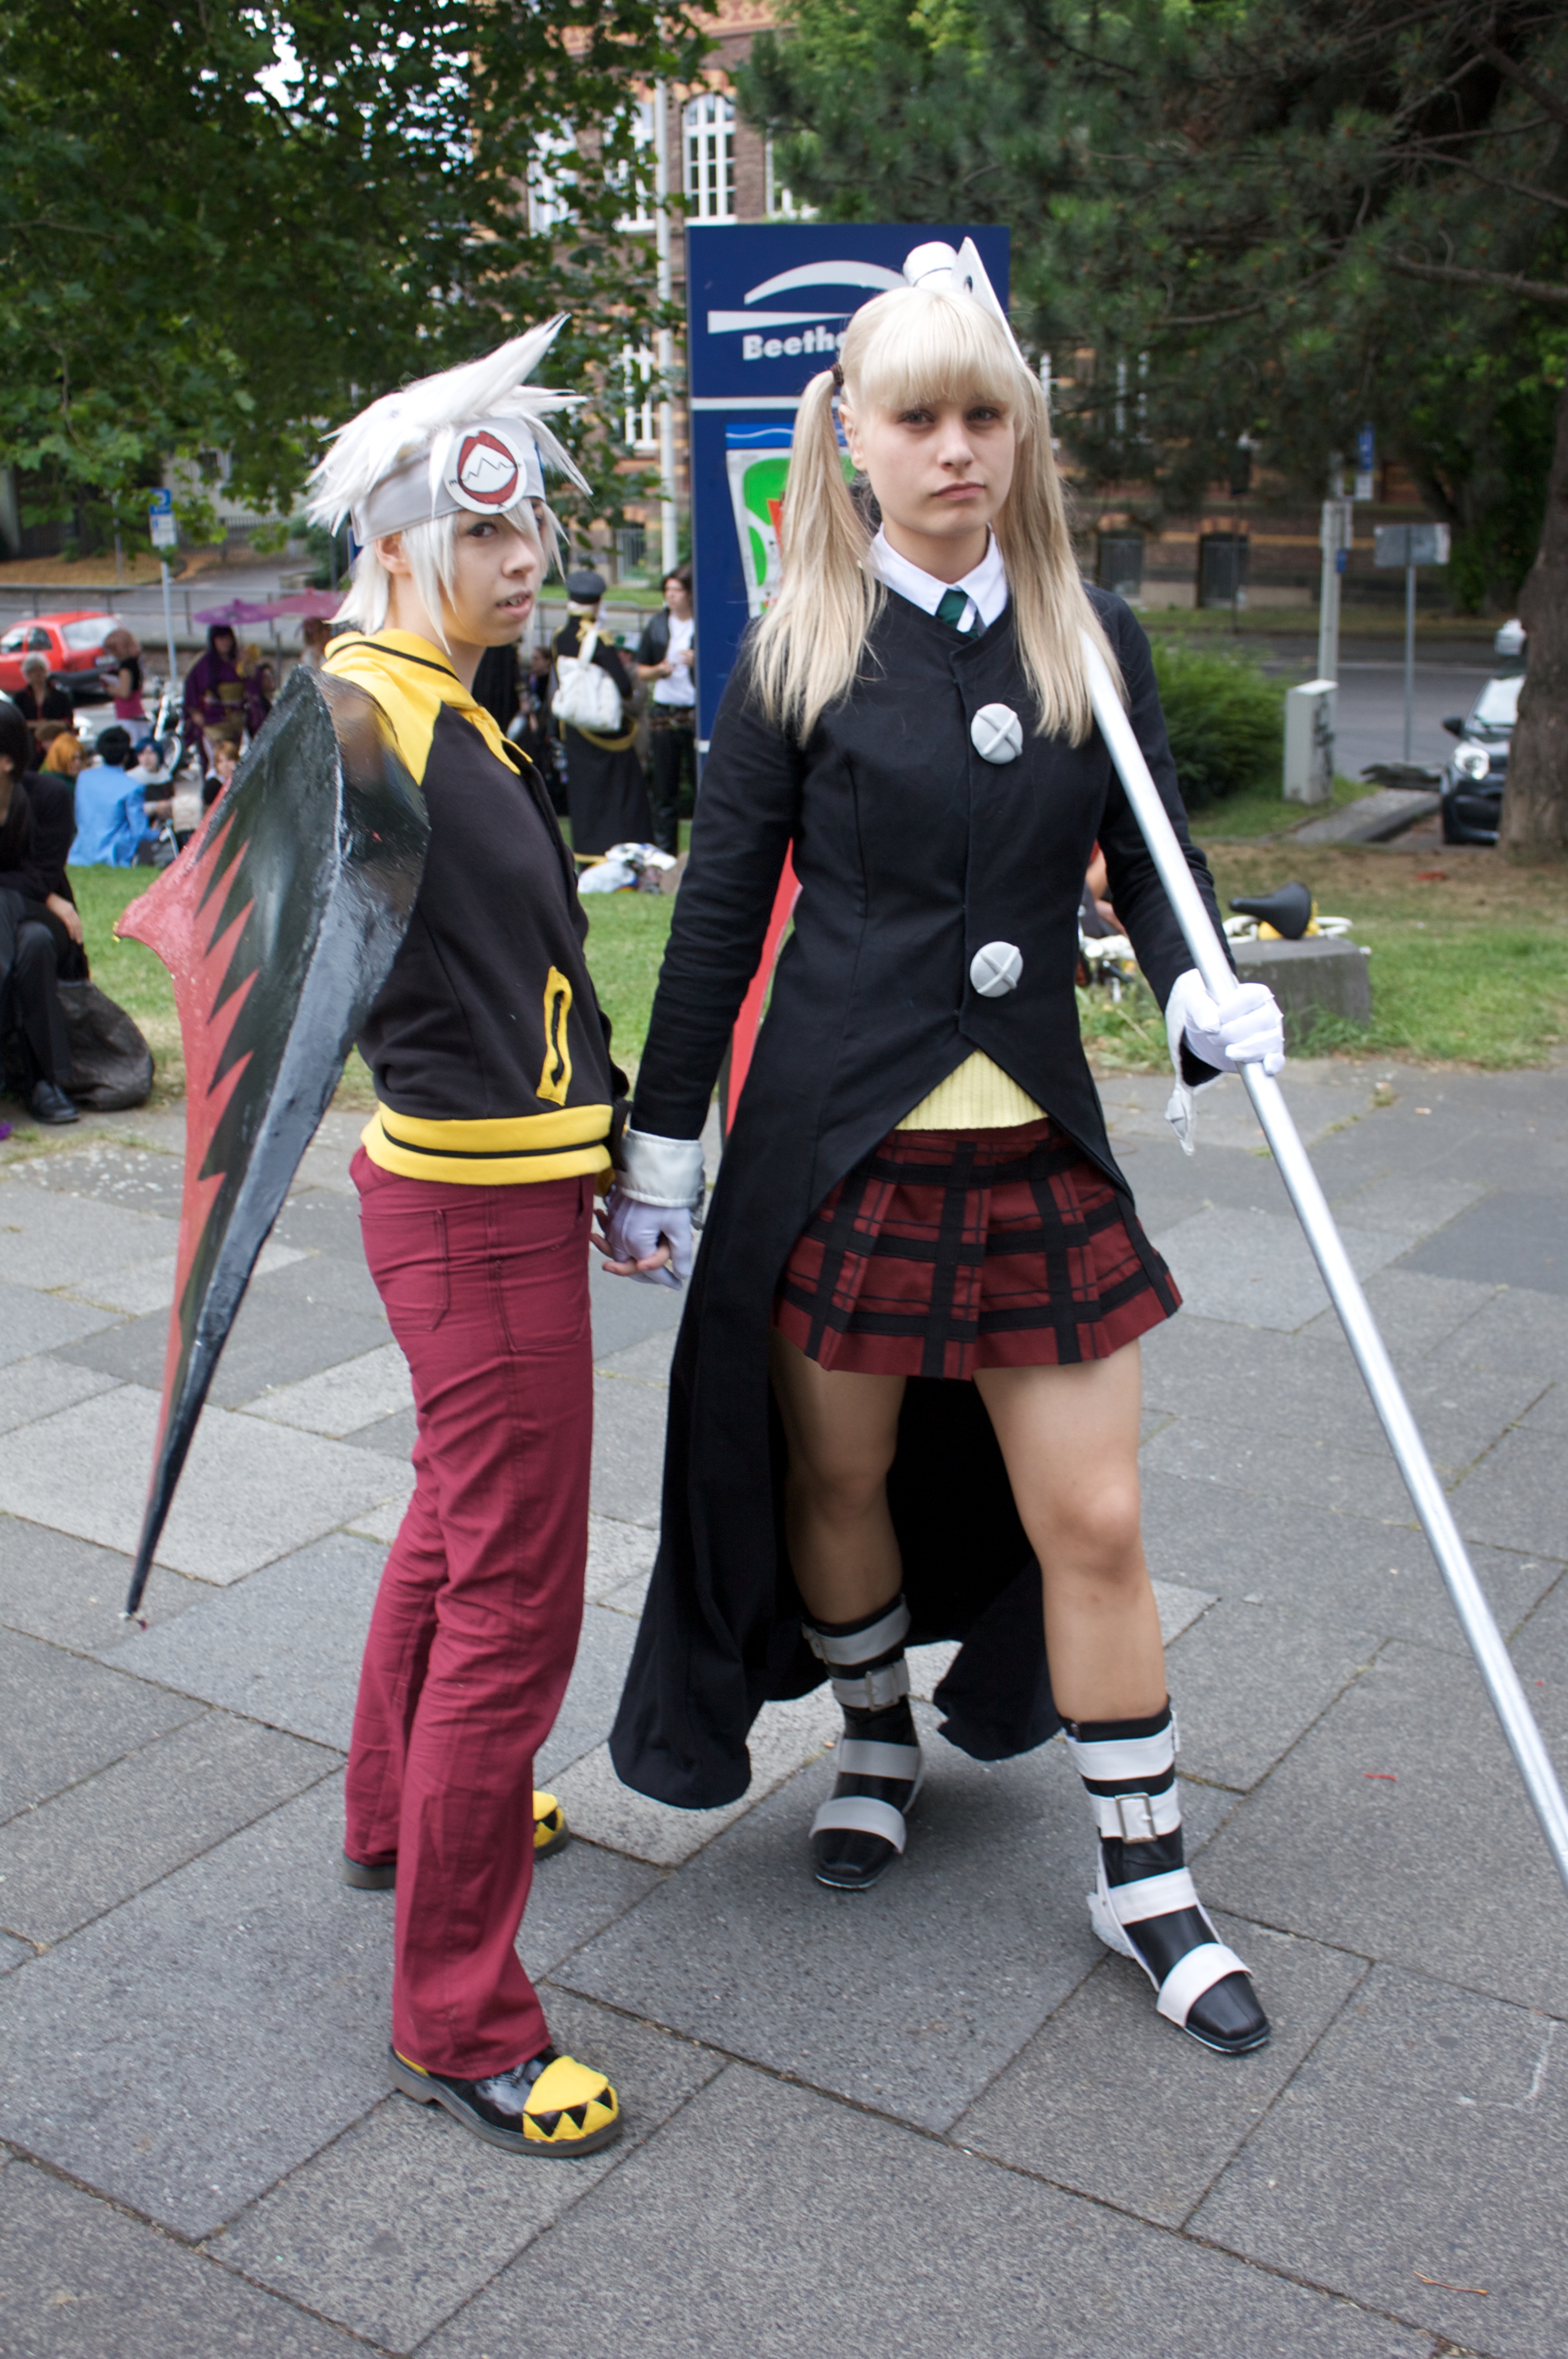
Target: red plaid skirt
940, 1253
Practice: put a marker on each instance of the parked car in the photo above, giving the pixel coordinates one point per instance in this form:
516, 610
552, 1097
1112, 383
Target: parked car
1476, 771
72, 646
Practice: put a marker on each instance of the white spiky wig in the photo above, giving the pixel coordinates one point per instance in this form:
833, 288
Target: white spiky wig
472, 439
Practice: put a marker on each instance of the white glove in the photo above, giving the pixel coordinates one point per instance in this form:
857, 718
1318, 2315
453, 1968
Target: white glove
1245, 1028
634, 1232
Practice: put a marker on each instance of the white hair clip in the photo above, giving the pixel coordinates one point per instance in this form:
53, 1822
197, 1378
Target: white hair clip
960, 273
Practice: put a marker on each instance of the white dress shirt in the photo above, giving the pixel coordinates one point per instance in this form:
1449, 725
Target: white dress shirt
985, 587
679, 689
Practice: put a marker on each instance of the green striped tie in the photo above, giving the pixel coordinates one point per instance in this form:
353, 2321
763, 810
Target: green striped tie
951, 608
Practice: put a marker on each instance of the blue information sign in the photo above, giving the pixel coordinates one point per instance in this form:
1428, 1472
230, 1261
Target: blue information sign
766, 308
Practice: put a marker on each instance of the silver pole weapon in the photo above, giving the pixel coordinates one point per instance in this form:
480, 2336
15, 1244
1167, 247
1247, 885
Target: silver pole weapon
1476, 1617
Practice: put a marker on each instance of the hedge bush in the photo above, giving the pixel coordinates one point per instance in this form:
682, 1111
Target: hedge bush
1226, 721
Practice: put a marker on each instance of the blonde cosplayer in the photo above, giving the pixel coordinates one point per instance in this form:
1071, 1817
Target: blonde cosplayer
470, 440
934, 341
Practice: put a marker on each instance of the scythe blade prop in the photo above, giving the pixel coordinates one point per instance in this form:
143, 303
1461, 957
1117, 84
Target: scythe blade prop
279, 926
1311, 1207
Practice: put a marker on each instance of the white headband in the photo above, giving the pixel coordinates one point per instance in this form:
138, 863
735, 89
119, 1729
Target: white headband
487, 466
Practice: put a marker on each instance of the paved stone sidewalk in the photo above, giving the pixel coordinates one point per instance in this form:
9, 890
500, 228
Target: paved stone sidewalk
935, 2119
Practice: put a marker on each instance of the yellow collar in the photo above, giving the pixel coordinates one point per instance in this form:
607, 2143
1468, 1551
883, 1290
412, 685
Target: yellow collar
411, 678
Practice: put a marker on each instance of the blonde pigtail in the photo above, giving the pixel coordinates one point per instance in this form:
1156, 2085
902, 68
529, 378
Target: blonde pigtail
808, 648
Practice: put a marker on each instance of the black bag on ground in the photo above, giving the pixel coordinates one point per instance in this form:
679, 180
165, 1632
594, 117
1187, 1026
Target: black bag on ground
112, 1066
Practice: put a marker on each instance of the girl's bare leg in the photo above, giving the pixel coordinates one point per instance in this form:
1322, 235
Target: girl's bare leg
1069, 1439
843, 1430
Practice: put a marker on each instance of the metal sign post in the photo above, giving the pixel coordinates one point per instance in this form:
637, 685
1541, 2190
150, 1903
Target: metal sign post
1334, 536
1427, 1497
1411, 545
165, 534
767, 304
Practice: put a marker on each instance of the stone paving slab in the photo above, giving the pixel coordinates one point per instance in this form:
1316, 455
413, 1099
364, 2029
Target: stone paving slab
140, 1179
1517, 1496
1256, 1268
88, 1849
141, 1287
62, 1719
617, 1553
1514, 1237
250, 1491
31, 1322
1514, 1329
770, 2221
594, 1691
381, 1523
274, 1338
37, 1387
1415, 1315
48, 1240
600, 1807
79, 2280
1279, 1465
1247, 1680
341, 1398
393, 1436
648, 1362
14, 1952
575, 1896
629, 1464
1399, 1829
1327, 1567
70, 1592
153, 2054
332, 1282
406, 2216
282, 1646
1425, 2138
1307, 1387
908, 1997
1407, 1202
625, 1312
1110, 2100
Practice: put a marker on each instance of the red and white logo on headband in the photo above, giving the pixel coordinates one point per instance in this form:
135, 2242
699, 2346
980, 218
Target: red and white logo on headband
486, 473
493, 466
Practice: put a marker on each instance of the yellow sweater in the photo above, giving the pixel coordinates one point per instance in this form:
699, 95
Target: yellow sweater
978, 1096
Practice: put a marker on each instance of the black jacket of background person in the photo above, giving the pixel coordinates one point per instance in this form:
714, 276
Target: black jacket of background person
655, 644
54, 828
912, 852
21, 868
491, 1058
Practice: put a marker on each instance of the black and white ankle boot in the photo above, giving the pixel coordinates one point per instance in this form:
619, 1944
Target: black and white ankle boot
1146, 1906
859, 1830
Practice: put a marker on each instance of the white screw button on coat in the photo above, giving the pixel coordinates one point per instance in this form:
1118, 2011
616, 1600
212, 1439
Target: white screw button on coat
995, 969
996, 733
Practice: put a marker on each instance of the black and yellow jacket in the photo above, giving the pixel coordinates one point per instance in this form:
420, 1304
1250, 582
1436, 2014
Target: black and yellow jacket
491, 1058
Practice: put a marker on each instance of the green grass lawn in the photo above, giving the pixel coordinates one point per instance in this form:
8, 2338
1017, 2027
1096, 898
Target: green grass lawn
1469, 958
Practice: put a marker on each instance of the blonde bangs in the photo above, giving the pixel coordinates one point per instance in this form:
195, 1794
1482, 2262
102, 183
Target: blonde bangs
906, 349
919, 344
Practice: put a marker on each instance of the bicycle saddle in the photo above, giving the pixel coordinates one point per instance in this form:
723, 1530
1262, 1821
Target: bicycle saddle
1288, 911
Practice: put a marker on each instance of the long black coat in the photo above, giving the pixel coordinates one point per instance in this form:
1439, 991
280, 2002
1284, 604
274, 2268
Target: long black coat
912, 852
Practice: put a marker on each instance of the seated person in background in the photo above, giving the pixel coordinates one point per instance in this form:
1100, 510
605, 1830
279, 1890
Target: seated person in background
53, 804
47, 711
110, 815
226, 762
30, 938
65, 757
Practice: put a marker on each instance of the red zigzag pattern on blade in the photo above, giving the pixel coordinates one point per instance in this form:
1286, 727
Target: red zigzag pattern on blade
169, 920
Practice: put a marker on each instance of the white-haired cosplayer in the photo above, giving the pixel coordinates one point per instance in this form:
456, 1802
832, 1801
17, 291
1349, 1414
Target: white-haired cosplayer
906, 1385
496, 1095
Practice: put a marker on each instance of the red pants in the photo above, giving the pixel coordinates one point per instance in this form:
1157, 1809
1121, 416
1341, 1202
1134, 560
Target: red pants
479, 1608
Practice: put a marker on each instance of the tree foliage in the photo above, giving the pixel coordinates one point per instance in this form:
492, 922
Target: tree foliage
222, 228
1282, 219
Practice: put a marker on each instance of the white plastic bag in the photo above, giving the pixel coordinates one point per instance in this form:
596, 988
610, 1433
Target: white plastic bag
587, 696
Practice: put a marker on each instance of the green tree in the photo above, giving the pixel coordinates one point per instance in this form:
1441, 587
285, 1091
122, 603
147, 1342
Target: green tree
222, 228
1280, 217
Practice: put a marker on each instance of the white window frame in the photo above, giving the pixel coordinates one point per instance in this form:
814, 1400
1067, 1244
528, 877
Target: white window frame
640, 413
707, 157
780, 201
549, 191
643, 219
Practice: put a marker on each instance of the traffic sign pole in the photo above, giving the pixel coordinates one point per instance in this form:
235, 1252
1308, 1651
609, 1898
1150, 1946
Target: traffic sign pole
1409, 661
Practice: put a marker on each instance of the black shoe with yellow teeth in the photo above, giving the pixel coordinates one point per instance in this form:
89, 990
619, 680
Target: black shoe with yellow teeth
550, 2104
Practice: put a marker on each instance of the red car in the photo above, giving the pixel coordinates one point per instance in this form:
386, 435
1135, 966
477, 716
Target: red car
69, 644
